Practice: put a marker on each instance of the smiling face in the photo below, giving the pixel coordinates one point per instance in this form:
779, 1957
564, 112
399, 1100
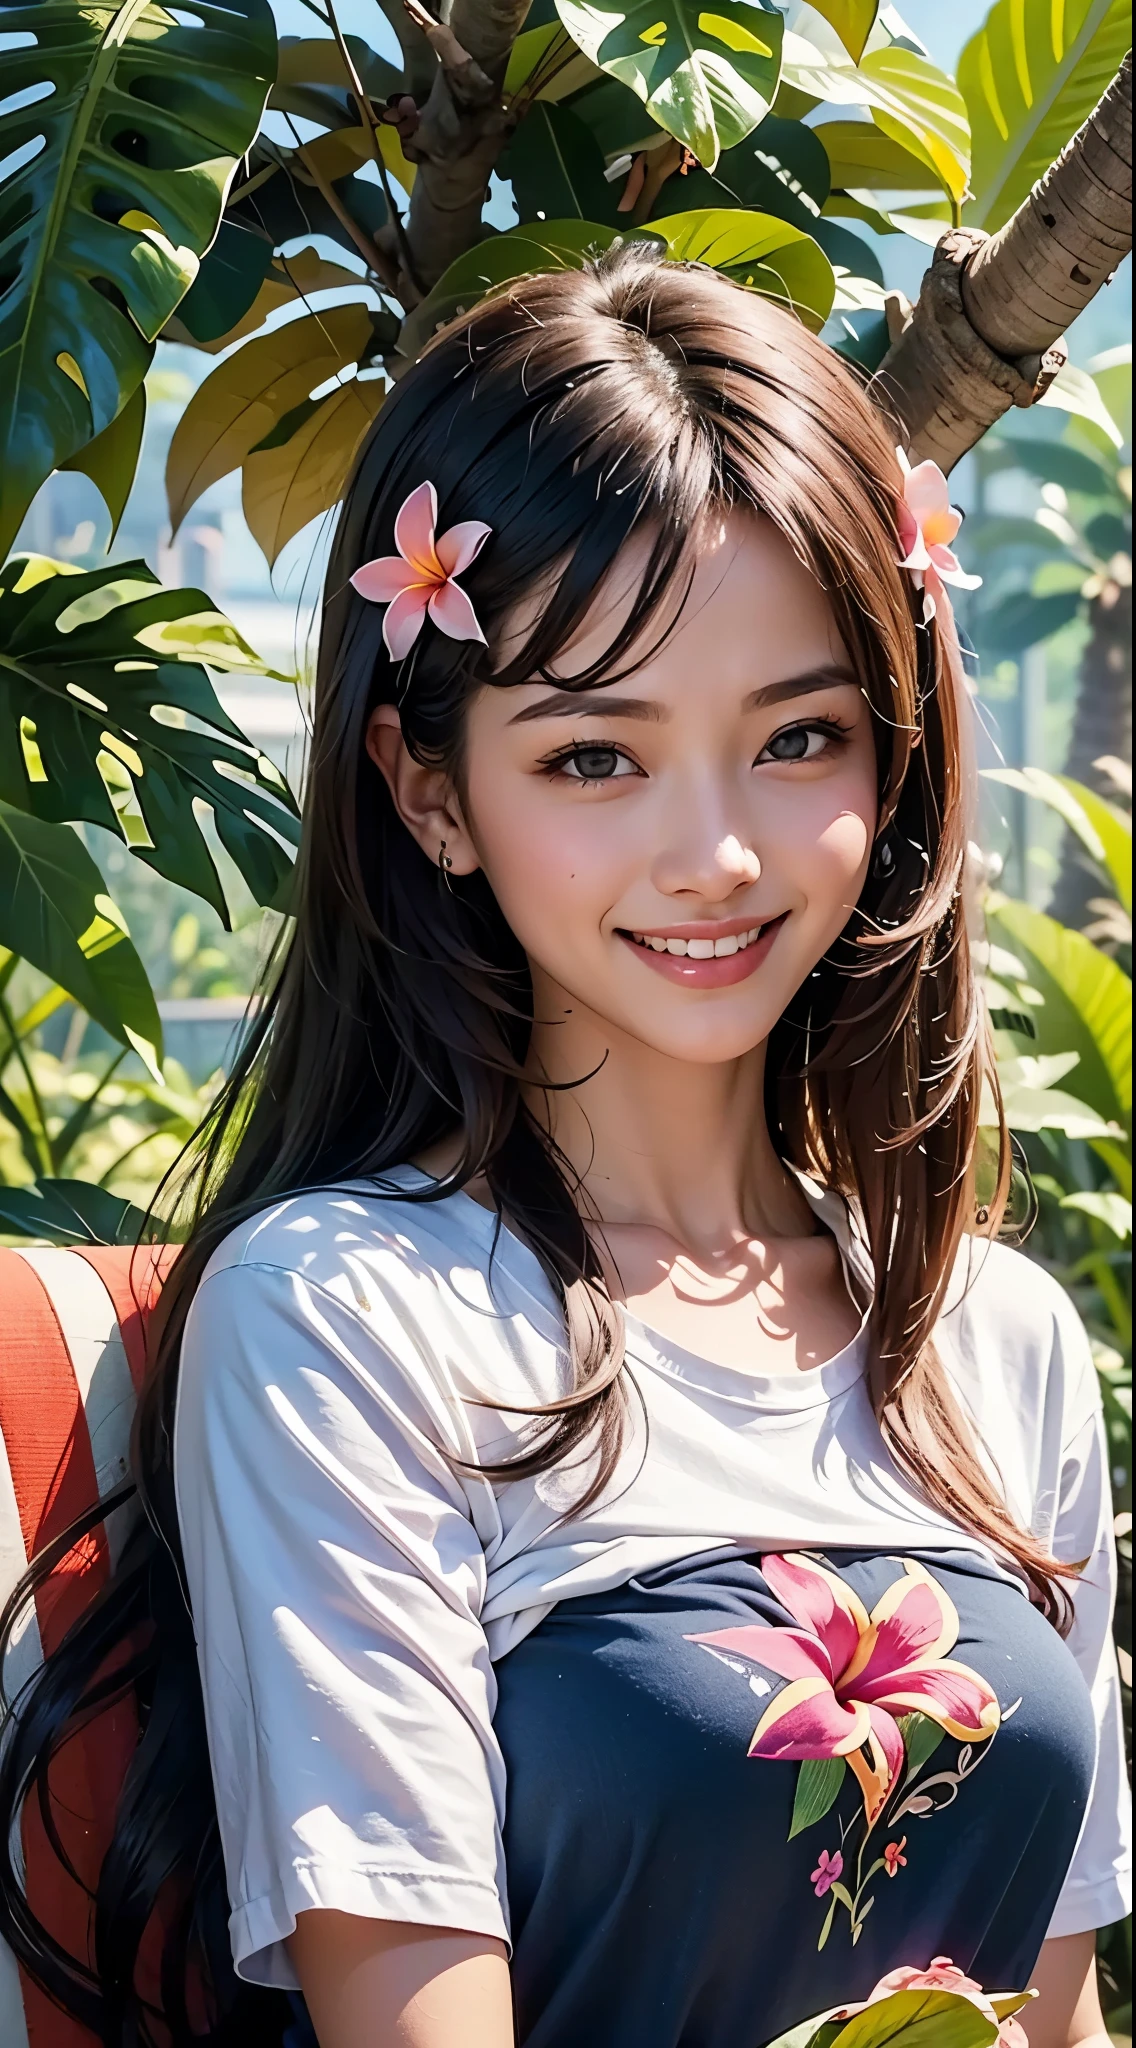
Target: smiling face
676, 850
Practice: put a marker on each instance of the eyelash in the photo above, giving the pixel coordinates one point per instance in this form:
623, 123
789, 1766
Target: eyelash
831, 727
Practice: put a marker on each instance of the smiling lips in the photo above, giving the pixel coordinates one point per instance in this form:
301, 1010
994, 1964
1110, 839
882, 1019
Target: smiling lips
706, 955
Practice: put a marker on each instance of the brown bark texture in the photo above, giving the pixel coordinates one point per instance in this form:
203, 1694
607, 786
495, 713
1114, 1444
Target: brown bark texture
986, 332
1102, 727
463, 129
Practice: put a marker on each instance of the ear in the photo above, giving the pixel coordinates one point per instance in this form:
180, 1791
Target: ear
423, 797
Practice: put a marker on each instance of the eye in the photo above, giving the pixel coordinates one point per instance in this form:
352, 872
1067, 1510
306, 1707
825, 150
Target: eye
594, 763
802, 742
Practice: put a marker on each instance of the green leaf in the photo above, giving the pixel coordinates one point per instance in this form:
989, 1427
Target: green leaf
1021, 620
70, 1212
539, 245
107, 715
861, 155
918, 106
1086, 1005
111, 459
312, 81
853, 21
116, 181
57, 916
1111, 372
708, 75
1104, 1206
1073, 390
547, 58
227, 283
909, 98
1104, 831
1033, 72
755, 250
556, 168
921, 1738
1053, 462
818, 1788
249, 393
780, 169
919, 2019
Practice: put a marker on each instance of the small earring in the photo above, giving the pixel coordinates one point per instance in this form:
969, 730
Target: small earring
445, 864
884, 860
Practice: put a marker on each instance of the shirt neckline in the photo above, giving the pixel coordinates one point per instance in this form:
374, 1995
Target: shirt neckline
786, 1393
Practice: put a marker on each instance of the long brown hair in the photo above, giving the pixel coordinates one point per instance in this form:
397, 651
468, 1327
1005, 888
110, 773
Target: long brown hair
571, 412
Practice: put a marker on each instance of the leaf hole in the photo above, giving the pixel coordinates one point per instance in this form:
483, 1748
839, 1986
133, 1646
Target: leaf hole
29, 747
85, 697
17, 158
131, 144
27, 96
110, 206
110, 292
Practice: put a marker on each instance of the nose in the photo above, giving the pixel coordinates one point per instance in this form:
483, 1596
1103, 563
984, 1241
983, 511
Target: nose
707, 860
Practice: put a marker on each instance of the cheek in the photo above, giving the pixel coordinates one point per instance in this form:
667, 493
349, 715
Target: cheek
548, 863
823, 846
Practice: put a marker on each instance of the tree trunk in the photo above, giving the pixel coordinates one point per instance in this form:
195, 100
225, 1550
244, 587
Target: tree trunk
463, 130
985, 334
1102, 726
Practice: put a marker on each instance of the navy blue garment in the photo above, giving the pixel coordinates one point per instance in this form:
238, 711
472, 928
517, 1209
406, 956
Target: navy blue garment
657, 1899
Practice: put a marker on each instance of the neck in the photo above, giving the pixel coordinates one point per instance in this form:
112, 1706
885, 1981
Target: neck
676, 1145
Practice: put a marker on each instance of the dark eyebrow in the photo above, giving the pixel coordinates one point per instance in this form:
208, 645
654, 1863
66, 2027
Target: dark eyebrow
800, 686
590, 704
593, 703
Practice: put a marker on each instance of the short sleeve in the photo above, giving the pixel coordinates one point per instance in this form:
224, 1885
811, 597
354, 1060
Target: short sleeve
1098, 1887
336, 1581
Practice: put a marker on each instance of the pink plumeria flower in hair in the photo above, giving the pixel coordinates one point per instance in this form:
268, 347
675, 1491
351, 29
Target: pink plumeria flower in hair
420, 578
928, 523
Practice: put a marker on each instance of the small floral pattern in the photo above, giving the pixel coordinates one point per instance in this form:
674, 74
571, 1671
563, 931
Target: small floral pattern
828, 1869
876, 1691
894, 1858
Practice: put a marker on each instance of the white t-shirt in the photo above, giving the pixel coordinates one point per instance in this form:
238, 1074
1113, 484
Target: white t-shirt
352, 1587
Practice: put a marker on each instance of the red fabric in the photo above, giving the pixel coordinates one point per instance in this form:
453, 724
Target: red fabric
44, 1426
132, 1279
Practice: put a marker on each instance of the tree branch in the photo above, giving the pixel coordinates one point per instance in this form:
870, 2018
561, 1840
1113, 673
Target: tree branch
986, 331
463, 129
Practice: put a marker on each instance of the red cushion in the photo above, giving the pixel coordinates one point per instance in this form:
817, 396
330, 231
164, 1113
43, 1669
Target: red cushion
71, 1360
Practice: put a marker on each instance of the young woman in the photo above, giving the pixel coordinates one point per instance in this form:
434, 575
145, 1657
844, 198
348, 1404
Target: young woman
648, 1545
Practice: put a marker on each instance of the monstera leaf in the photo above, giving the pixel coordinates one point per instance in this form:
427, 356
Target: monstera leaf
1031, 75
106, 714
706, 76
128, 123
55, 914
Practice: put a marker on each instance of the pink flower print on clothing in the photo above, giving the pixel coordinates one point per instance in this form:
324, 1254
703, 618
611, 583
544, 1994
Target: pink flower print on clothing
419, 580
894, 1858
826, 1873
928, 523
852, 1675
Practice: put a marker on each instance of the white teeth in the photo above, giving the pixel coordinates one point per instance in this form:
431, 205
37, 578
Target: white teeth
701, 949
